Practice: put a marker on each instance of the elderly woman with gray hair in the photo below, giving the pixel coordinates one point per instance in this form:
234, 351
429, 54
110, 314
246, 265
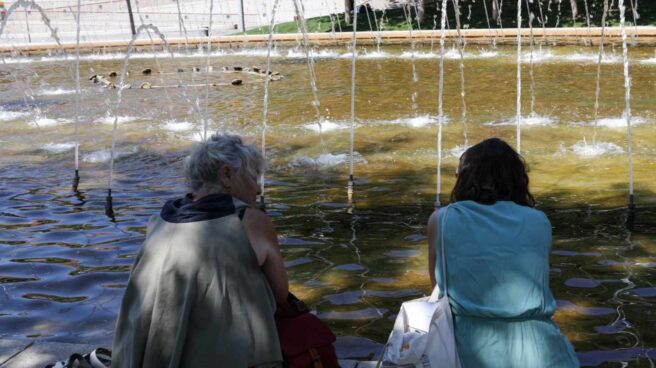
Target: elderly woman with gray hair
204, 286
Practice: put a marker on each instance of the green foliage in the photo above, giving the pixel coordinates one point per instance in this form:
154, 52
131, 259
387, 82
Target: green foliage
473, 15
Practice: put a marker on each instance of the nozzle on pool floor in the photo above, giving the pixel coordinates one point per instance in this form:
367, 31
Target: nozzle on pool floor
630, 218
109, 205
262, 204
76, 180
349, 189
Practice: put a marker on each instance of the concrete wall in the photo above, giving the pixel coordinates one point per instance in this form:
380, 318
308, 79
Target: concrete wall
109, 19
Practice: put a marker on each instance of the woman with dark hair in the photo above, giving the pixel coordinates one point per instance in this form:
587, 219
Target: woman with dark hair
497, 261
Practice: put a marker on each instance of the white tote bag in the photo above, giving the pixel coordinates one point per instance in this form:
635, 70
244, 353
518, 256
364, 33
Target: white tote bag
423, 335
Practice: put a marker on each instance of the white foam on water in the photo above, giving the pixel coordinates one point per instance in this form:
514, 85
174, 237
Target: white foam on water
177, 126
457, 151
649, 61
109, 119
45, 122
375, 55
619, 122
417, 121
104, 155
531, 120
255, 52
538, 56
418, 55
488, 54
601, 148
327, 160
321, 54
12, 115
590, 57
55, 92
327, 126
58, 147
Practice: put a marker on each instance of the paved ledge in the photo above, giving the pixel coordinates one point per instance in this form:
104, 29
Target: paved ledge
643, 35
36, 353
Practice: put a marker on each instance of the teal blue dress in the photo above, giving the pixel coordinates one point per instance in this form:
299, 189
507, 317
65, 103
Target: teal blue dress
497, 260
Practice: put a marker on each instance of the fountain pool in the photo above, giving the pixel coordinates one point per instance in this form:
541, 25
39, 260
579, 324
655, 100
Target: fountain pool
63, 263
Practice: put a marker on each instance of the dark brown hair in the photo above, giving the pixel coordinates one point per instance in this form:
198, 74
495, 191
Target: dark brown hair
492, 171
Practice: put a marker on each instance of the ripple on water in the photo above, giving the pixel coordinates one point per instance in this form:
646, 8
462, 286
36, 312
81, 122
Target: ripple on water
297, 262
582, 283
349, 267
572, 253
647, 292
356, 347
55, 298
613, 328
291, 241
347, 298
405, 253
358, 315
598, 357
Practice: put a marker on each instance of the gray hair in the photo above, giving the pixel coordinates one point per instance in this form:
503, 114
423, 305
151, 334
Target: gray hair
202, 166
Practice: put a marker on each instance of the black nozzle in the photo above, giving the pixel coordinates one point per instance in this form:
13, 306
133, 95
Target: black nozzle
109, 205
262, 204
76, 180
630, 218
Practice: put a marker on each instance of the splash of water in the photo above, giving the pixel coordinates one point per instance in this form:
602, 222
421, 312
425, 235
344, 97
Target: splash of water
300, 13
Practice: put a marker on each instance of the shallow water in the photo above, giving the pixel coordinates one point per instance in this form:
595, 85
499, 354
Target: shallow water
63, 263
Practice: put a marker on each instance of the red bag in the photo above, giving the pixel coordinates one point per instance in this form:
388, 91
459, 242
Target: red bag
306, 342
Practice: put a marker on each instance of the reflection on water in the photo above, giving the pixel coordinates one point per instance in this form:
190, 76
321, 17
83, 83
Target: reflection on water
63, 263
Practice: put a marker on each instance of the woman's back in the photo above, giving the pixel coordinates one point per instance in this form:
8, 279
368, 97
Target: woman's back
498, 277
197, 298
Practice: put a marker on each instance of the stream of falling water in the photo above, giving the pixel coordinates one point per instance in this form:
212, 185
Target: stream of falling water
354, 59
489, 27
265, 104
407, 12
461, 51
119, 93
207, 75
531, 63
598, 80
309, 58
519, 76
76, 178
627, 94
440, 106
